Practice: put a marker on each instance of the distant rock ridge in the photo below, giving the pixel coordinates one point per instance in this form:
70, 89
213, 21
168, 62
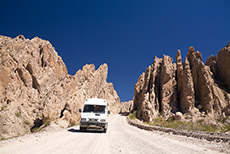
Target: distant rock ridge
35, 87
168, 89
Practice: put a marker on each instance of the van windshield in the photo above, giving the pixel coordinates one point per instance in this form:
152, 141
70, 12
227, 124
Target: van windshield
94, 108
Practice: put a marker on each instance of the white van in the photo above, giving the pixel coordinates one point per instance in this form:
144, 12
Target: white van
94, 115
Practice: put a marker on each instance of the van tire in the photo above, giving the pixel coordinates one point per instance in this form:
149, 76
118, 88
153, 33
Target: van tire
105, 130
82, 129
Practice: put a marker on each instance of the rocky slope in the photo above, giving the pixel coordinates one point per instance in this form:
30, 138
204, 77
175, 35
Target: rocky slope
126, 107
171, 90
35, 87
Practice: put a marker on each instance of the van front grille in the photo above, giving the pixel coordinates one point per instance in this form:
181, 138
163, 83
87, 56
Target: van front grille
93, 120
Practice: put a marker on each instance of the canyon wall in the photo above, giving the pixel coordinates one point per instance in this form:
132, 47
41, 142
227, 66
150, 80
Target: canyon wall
35, 87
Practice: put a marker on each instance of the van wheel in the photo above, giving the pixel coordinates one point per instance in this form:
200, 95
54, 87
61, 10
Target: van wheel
104, 131
82, 129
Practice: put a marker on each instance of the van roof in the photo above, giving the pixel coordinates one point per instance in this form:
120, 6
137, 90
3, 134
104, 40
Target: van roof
95, 101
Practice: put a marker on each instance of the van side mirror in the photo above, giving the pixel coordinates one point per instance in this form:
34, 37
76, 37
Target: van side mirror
79, 110
108, 111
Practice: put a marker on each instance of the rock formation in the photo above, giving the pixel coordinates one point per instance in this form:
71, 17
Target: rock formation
186, 95
147, 92
126, 107
210, 97
35, 86
167, 89
223, 63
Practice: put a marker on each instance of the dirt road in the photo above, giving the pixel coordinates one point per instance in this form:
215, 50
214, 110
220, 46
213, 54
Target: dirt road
120, 138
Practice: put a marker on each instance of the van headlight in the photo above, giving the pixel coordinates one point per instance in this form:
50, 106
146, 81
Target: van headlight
103, 120
83, 119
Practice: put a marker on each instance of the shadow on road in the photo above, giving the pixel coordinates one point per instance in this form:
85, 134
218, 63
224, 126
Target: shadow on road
73, 130
124, 113
88, 131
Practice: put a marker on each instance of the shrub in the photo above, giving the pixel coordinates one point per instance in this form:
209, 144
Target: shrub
200, 121
186, 125
36, 129
18, 114
222, 120
47, 122
133, 115
26, 122
171, 123
3, 138
226, 128
3, 107
73, 123
4, 131
206, 127
188, 117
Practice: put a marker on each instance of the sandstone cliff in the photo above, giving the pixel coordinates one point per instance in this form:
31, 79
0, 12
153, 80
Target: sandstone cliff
170, 89
126, 107
35, 87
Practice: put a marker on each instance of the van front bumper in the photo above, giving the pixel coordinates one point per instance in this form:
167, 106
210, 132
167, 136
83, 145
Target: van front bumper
96, 125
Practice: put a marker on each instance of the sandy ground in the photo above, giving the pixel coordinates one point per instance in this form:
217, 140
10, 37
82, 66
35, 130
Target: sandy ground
120, 138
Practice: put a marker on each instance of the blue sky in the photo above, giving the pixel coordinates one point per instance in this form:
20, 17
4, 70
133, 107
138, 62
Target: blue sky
125, 34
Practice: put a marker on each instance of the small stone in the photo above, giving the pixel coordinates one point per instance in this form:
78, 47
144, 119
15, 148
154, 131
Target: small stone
178, 116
